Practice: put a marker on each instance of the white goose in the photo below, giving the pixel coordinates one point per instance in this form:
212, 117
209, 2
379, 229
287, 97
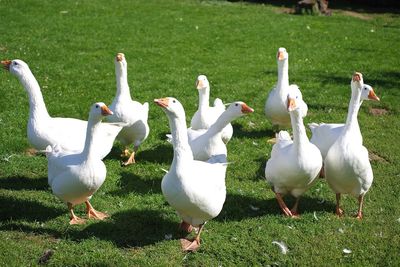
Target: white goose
196, 189
293, 165
325, 134
205, 116
126, 110
347, 166
276, 104
68, 133
208, 143
74, 178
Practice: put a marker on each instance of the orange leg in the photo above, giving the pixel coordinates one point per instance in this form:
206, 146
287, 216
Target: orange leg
360, 204
282, 204
92, 213
295, 207
339, 211
193, 245
74, 219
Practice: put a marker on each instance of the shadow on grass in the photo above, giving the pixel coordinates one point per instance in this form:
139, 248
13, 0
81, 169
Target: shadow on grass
240, 132
130, 182
18, 209
23, 183
163, 153
239, 207
130, 228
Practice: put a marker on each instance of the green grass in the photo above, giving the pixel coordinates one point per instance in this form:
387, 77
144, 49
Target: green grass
70, 46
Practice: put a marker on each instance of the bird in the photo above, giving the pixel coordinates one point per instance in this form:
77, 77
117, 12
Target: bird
325, 134
43, 130
294, 164
347, 167
205, 115
276, 103
131, 112
75, 177
208, 143
195, 189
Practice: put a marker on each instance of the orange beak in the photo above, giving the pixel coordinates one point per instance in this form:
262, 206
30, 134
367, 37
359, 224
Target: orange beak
199, 84
105, 111
357, 77
6, 64
280, 56
162, 102
373, 96
246, 108
120, 57
291, 104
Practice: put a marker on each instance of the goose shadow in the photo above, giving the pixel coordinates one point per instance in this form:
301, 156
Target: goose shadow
238, 207
241, 132
161, 154
24, 183
126, 229
143, 185
18, 209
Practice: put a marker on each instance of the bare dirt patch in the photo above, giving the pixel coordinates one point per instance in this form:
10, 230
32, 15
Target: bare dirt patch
378, 111
376, 157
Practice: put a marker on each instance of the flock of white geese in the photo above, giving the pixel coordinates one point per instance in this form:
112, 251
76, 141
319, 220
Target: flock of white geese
195, 183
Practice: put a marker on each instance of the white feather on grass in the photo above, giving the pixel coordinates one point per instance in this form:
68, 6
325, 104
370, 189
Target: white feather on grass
284, 249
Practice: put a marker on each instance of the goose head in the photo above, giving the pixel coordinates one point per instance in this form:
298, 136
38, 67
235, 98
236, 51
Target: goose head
17, 67
239, 108
294, 100
171, 106
98, 111
282, 55
368, 93
120, 62
202, 82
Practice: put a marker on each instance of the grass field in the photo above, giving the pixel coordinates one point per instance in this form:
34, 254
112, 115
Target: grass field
70, 46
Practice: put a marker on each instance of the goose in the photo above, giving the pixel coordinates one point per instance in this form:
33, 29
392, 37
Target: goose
347, 167
293, 165
126, 110
195, 189
276, 103
208, 143
75, 177
43, 130
205, 116
325, 134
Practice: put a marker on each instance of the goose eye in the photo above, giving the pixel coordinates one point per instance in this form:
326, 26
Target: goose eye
173, 101
365, 88
236, 104
297, 97
97, 106
15, 63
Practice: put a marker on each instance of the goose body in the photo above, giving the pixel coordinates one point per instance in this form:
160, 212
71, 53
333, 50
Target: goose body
43, 130
325, 134
347, 166
126, 110
276, 103
293, 165
195, 189
205, 116
208, 143
74, 178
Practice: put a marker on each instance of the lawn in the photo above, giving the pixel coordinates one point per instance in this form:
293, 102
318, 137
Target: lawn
70, 47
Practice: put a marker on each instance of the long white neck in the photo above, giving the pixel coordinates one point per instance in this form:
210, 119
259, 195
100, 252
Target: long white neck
37, 107
300, 138
223, 120
89, 150
283, 75
182, 150
352, 126
204, 98
123, 91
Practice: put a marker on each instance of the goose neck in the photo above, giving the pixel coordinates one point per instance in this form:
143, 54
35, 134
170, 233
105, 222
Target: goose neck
88, 151
223, 120
123, 90
37, 107
182, 150
352, 125
283, 74
299, 132
204, 98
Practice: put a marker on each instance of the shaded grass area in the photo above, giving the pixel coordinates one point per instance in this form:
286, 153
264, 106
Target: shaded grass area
70, 47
